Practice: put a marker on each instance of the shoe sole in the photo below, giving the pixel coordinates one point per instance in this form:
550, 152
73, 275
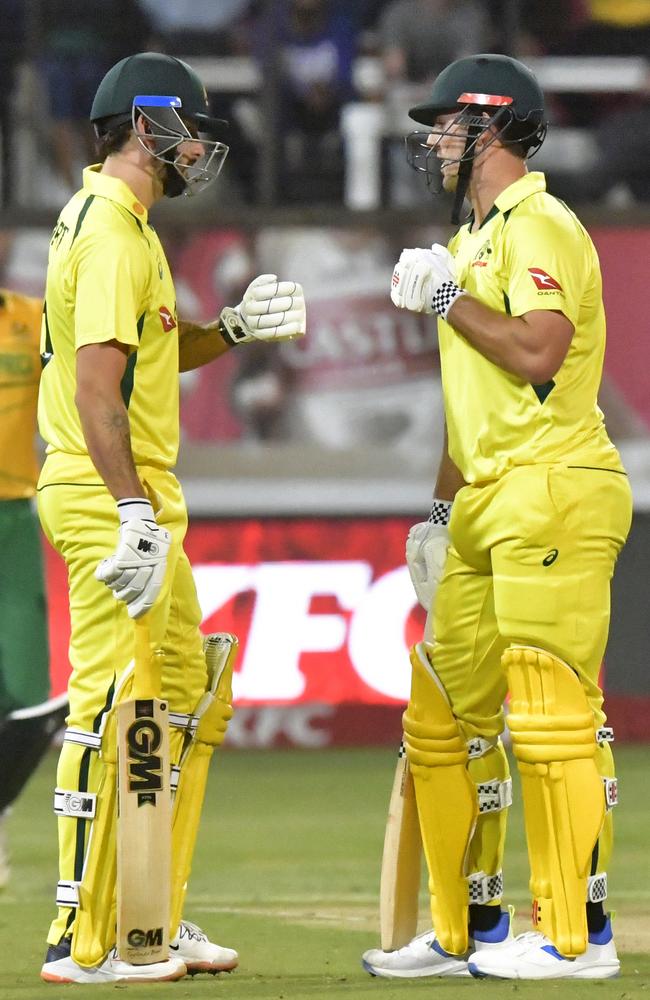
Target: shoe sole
414, 974
596, 972
49, 977
195, 968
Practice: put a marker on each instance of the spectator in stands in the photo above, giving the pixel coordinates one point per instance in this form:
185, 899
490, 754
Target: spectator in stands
12, 44
418, 38
199, 27
81, 39
316, 48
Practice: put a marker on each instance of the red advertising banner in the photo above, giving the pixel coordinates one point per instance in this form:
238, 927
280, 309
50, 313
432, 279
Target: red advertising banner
325, 614
324, 609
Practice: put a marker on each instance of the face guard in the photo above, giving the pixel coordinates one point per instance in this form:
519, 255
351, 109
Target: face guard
168, 130
478, 116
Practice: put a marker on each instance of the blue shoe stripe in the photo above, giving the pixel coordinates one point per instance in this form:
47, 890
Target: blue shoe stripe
475, 972
441, 951
552, 950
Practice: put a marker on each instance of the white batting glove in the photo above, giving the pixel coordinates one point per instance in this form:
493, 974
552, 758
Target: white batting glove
269, 310
426, 555
424, 281
136, 570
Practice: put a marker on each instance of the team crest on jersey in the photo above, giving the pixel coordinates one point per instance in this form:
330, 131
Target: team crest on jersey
544, 281
167, 319
481, 258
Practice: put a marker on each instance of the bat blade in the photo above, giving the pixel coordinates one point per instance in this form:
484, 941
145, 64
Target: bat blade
401, 863
143, 827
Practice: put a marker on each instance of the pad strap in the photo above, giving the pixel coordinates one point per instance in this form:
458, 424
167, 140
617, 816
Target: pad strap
484, 888
495, 795
604, 735
597, 888
67, 894
83, 738
611, 792
80, 805
478, 746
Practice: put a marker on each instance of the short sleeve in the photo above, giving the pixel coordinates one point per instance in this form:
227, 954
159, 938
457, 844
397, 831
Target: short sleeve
110, 285
546, 263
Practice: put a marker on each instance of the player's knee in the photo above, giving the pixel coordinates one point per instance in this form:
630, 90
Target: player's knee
431, 733
550, 717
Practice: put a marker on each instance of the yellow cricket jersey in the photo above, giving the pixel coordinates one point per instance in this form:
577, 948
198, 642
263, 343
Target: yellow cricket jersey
108, 279
20, 370
530, 253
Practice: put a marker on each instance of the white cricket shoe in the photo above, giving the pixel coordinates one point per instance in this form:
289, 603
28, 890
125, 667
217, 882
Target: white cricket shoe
59, 967
534, 956
199, 954
424, 956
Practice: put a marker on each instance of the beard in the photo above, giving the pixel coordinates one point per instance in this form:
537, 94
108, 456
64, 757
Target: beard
173, 183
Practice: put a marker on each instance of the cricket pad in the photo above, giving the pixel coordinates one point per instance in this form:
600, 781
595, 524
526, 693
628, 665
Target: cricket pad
554, 741
446, 799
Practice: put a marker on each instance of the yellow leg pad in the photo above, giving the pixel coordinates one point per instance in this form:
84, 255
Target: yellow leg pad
446, 799
94, 924
213, 713
554, 741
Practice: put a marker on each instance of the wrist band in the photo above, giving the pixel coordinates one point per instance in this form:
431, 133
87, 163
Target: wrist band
440, 512
135, 507
445, 297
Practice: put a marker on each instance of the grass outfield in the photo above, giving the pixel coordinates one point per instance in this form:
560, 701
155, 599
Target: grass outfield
286, 871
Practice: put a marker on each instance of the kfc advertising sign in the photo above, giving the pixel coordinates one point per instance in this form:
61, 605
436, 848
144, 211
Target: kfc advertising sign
325, 615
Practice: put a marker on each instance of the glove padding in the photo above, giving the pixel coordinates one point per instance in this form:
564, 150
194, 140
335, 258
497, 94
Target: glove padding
135, 572
424, 281
269, 310
426, 555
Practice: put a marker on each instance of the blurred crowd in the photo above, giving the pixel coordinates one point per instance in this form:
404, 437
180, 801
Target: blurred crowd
308, 59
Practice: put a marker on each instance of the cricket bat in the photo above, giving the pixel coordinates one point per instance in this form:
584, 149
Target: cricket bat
144, 812
399, 889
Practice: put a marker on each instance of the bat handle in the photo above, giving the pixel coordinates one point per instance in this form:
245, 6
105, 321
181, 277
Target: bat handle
147, 679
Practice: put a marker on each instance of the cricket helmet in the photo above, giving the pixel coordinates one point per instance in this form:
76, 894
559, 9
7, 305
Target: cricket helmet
173, 101
485, 92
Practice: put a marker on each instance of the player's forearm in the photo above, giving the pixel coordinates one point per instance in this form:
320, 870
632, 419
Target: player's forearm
105, 426
449, 479
198, 344
507, 341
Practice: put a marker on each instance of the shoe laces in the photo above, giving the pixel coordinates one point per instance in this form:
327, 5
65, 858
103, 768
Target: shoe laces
191, 931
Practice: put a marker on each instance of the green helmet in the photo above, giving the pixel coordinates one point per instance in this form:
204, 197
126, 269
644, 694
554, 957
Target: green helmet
168, 96
150, 73
489, 83
486, 93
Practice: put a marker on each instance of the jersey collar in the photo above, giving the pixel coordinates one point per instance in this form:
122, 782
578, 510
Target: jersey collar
531, 183
114, 189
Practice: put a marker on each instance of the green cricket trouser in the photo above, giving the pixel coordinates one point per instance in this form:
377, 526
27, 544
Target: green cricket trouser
24, 671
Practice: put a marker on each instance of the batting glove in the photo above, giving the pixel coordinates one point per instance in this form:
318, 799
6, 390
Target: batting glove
424, 281
136, 570
426, 553
270, 310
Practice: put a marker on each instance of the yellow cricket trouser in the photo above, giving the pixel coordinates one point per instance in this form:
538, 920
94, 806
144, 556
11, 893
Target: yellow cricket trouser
80, 519
531, 560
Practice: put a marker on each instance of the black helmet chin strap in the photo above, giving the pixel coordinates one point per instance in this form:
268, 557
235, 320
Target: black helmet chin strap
464, 170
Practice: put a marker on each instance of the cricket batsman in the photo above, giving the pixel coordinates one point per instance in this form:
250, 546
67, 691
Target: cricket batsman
28, 716
532, 507
113, 346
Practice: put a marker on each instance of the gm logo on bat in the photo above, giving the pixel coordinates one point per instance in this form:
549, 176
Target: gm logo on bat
145, 939
144, 764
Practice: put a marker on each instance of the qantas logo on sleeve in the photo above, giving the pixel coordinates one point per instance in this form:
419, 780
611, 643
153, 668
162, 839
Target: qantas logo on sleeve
167, 319
544, 281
